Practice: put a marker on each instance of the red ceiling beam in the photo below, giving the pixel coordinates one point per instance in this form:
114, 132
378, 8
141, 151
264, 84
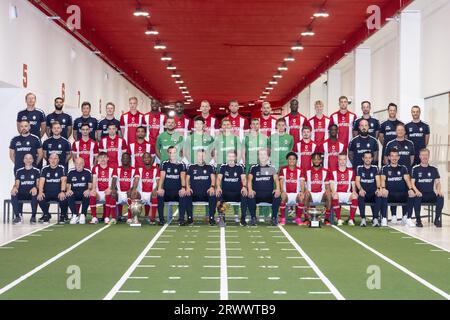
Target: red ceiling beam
359, 36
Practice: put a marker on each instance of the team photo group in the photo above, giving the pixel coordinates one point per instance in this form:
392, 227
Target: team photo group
287, 164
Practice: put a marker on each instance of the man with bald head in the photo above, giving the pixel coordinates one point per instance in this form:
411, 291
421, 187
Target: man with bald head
79, 185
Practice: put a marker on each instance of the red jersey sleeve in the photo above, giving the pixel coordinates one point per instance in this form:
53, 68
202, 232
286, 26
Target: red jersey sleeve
95, 148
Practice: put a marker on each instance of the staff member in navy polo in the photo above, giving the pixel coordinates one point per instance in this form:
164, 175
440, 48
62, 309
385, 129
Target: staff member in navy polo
172, 185
59, 145
85, 118
52, 187
374, 124
25, 188
102, 127
23, 144
232, 184
35, 116
368, 183
79, 186
388, 128
418, 132
200, 186
404, 147
427, 186
396, 186
64, 119
361, 144
263, 186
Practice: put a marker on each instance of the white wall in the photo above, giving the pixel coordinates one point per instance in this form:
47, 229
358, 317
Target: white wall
46, 49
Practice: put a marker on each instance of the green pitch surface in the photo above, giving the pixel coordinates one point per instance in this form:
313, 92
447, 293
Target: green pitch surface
204, 262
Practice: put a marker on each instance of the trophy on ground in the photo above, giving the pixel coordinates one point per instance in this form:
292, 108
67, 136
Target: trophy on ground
135, 208
315, 215
221, 209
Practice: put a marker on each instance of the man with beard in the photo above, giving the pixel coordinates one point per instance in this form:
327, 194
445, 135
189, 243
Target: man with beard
155, 122
182, 122
267, 123
23, 144
418, 132
305, 148
239, 124
59, 145
148, 186
331, 149
295, 121
169, 138
138, 148
361, 144
85, 148
64, 119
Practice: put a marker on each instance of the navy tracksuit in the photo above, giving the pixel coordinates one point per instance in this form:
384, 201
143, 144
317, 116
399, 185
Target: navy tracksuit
27, 181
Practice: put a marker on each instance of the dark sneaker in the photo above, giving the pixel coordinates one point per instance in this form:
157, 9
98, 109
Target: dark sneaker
243, 223
161, 222
62, 220
41, 219
212, 222
46, 220
419, 224
181, 223
33, 220
190, 222
17, 220
253, 222
438, 224
274, 222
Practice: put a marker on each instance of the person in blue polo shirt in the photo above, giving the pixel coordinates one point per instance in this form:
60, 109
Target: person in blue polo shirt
404, 146
23, 144
388, 128
374, 124
418, 132
79, 186
200, 186
361, 144
427, 186
64, 119
25, 188
369, 189
35, 116
263, 186
52, 187
85, 119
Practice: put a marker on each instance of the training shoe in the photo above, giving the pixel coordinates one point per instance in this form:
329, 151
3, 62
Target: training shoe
212, 221
94, 220
17, 220
33, 220
129, 221
243, 223
61, 220
363, 223
274, 222
236, 218
327, 222
438, 223
113, 221
190, 222
81, 219
410, 223
340, 223
181, 223
106, 220
75, 219
41, 219
394, 220
253, 222
419, 224
404, 220
46, 220
146, 219
351, 222
161, 222
283, 221
384, 222
375, 223
298, 221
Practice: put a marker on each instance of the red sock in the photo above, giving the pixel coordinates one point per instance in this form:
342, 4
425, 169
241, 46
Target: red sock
327, 214
77, 208
154, 207
353, 208
283, 210
112, 207
336, 208
93, 205
147, 210
299, 210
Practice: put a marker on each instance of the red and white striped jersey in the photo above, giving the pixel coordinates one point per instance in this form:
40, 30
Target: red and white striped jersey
155, 125
239, 125
149, 178
342, 180
104, 177
319, 132
125, 178
182, 125
331, 151
129, 123
137, 150
345, 122
304, 152
114, 148
267, 126
87, 150
316, 180
211, 125
294, 126
291, 179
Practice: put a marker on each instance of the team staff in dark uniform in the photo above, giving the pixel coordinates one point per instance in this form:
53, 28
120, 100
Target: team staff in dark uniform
388, 128
52, 187
369, 189
263, 186
59, 145
200, 186
361, 144
25, 188
102, 127
374, 124
35, 116
427, 186
396, 186
85, 118
23, 144
418, 132
404, 147
79, 186
232, 184
59, 116
172, 185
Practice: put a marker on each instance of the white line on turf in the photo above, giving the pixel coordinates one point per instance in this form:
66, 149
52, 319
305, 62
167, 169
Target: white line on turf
128, 291
324, 279
319, 292
279, 292
301, 267
169, 291
309, 278
21, 240
174, 278
35, 235
396, 265
152, 257
273, 278
136, 262
223, 266
420, 238
138, 278
146, 266
6, 247
49, 261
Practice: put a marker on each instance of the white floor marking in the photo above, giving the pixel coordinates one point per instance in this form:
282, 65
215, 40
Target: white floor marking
301, 267
319, 292
128, 291
279, 292
146, 266
420, 238
288, 249
152, 257
209, 292
212, 241
213, 249
174, 278
47, 230
179, 266
295, 258
396, 265
138, 278
163, 241
223, 266
49, 261
35, 235
239, 292
21, 240
158, 248
169, 291
407, 238
273, 278
438, 250
6, 247
237, 266
309, 278
211, 266
324, 279
234, 249
136, 262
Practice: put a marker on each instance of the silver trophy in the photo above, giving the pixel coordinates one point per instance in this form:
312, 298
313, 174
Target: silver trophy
135, 207
315, 215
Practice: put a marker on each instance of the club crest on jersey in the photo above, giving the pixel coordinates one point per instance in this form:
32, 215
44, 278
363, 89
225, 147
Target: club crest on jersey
420, 129
371, 125
34, 117
371, 175
420, 174
83, 178
368, 145
63, 120
194, 171
28, 143
204, 171
168, 170
235, 174
406, 147
429, 174
59, 146
23, 177
32, 176
175, 170
398, 173
48, 175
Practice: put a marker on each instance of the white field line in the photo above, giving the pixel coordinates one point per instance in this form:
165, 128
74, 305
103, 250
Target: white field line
223, 267
26, 234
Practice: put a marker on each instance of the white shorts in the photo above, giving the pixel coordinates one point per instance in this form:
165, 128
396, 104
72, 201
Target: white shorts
100, 196
292, 199
317, 197
146, 198
344, 197
122, 198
